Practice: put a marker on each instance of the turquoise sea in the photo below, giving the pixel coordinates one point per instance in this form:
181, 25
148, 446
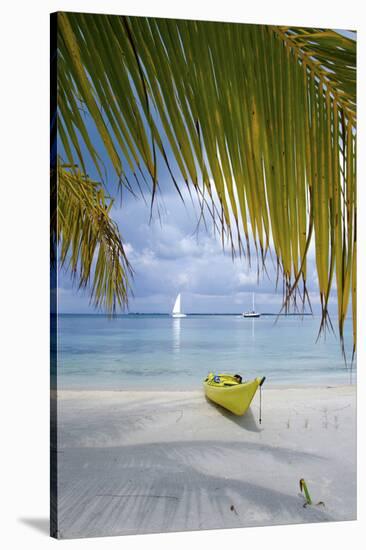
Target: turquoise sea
159, 352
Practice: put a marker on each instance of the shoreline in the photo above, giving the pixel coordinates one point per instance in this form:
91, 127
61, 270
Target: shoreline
197, 389
163, 461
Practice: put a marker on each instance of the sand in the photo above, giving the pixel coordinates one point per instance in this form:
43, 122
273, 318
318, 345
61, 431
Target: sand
144, 462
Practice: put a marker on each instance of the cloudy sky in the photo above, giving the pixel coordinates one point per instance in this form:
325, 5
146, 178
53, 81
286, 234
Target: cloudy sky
170, 255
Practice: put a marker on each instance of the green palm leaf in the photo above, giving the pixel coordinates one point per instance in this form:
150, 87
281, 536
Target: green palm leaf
261, 120
89, 242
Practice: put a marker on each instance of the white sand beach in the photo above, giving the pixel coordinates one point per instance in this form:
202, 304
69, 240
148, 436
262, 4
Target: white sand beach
143, 462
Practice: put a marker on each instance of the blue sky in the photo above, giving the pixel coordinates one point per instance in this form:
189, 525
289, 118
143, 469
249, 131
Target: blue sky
169, 255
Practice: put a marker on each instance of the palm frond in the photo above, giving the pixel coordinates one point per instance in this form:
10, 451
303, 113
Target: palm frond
262, 117
88, 241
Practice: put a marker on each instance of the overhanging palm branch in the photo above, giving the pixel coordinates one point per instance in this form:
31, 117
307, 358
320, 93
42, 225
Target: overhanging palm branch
262, 117
89, 241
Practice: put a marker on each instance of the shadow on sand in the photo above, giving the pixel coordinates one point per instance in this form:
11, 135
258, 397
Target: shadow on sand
247, 421
163, 487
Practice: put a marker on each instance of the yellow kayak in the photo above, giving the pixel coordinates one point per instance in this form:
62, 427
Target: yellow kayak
227, 391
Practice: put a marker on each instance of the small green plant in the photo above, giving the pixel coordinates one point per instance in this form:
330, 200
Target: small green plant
304, 488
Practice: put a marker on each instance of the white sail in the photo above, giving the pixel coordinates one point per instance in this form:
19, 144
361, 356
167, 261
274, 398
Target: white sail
176, 308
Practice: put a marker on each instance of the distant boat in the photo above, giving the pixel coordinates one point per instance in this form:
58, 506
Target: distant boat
177, 313
252, 313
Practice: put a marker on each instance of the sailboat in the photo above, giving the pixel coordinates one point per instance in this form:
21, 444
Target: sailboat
252, 313
177, 313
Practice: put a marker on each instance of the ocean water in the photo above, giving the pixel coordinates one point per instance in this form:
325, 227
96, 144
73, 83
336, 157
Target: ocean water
158, 352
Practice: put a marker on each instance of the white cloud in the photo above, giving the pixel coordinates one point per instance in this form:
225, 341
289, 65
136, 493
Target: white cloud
246, 278
128, 249
171, 254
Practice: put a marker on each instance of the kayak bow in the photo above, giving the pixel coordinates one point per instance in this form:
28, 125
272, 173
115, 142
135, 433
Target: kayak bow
226, 391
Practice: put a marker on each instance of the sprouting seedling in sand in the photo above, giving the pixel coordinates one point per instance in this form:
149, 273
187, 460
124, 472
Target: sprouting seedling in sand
304, 488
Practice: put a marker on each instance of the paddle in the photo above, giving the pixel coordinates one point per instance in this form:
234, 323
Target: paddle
260, 399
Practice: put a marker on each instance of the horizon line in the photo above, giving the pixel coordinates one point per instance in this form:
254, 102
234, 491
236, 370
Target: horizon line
188, 313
